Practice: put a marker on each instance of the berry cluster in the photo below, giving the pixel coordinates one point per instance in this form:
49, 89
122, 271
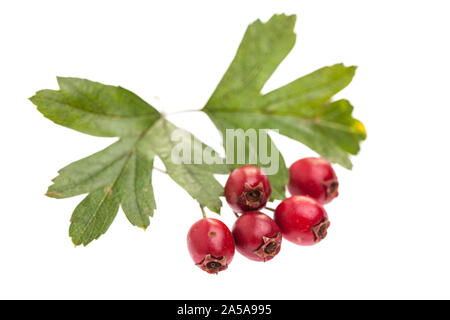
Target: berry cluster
300, 219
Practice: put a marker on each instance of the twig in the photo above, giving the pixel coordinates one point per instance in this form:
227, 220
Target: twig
203, 211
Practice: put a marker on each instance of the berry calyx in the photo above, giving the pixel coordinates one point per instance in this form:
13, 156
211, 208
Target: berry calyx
213, 265
313, 177
211, 245
302, 220
270, 248
257, 236
247, 189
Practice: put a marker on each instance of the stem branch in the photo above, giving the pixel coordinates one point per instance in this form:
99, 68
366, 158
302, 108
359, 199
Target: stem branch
203, 211
160, 170
183, 111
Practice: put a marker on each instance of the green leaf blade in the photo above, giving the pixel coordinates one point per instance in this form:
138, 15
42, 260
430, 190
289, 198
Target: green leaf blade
262, 49
95, 109
197, 179
346, 131
306, 95
104, 99
136, 191
93, 216
93, 172
279, 180
316, 134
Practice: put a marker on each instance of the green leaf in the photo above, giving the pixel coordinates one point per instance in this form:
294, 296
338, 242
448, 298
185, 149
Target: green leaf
121, 174
300, 110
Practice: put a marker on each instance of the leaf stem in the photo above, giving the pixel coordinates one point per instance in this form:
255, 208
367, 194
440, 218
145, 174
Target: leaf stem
160, 170
183, 111
270, 209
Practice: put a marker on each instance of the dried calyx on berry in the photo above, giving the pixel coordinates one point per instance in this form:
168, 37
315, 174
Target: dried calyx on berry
247, 189
269, 248
211, 245
252, 196
213, 265
321, 230
257, 236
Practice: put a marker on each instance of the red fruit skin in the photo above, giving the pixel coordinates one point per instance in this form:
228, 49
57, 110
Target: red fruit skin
302, 220
313, 177
210, 240
247, 189
257, 236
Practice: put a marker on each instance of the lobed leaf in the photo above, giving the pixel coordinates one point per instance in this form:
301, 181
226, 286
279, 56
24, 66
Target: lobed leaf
300, 110
121, 173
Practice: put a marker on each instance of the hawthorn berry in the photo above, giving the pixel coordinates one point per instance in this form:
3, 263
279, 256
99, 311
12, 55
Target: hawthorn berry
313, 177
247, 189
211, 245
302, 220
257, 236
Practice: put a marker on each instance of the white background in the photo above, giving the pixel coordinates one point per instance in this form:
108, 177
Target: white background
389, 232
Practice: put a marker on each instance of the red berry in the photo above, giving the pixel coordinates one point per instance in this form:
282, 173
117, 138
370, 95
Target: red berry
211, 245
257, 236
313, 177
302, 220
247, 189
